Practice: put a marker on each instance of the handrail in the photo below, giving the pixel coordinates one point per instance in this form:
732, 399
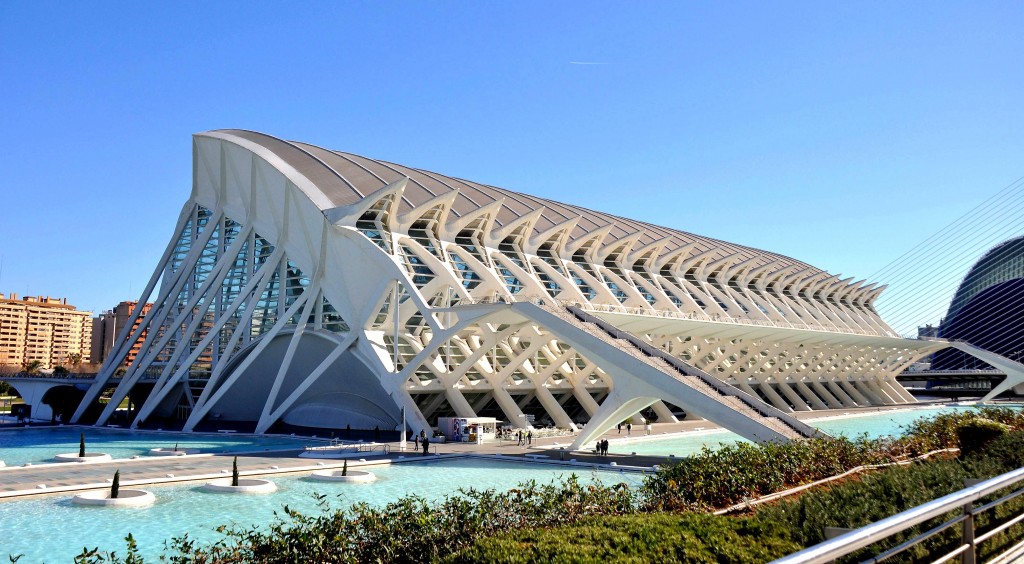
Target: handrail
343, 446
963, 499
688, 370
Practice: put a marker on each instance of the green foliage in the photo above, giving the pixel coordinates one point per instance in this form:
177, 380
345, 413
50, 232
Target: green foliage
410, 529
81, 445
974, 435
234, 472
115, 486
571, 522
875, 496
940, 431
720, 478
1007, 450
95, 556
660, 537
61, 371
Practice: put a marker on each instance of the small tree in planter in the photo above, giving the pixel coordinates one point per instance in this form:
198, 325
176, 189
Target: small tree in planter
115, 485
81, 445
344, 467
234, 472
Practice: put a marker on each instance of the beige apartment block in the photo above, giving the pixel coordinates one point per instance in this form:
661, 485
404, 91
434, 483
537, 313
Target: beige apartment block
109, 326
44, 329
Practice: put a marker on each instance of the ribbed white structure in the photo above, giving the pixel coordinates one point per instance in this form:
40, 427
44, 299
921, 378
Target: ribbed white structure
275, 302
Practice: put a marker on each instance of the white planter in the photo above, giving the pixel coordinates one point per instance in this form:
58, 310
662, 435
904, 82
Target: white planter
2, 464
335, 476
172, 452
245, 485
89, 457
125, 498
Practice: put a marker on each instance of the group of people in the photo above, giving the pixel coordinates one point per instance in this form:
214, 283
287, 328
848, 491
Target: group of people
602, 447
422, 439
525, 438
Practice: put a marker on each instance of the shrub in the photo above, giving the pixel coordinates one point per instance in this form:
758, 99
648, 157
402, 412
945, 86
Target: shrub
688, 537
410, 529
115, 485
879, 495
976, 434
720, 478
1007, 449
234, 472
81, 445
940, 431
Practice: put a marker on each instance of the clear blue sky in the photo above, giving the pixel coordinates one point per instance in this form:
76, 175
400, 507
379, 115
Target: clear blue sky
837, 133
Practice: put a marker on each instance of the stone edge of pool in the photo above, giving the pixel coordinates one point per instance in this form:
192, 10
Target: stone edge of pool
277, 470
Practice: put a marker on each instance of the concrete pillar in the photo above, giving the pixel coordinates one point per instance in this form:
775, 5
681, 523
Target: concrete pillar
799, 402
775, 398
809, 395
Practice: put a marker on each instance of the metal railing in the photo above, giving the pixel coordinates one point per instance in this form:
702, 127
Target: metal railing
336, 445
963, 500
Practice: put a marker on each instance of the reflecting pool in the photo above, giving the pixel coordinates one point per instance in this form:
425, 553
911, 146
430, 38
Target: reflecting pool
52, 529
40, 445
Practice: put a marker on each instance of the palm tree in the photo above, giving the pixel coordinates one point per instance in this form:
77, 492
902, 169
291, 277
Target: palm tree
74, 359
32, 367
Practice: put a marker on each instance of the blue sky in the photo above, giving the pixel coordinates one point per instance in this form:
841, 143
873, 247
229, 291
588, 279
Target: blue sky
839, 134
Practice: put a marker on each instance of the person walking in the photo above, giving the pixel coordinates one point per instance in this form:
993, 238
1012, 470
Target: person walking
619, 427
606, 447
519, 437
416, 442
629, 429
426, 446
529, 437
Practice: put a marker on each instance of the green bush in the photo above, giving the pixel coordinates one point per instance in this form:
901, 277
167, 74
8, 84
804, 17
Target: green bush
720, 478
1007, 449
410, 529
940, 431
975, 435
876, 496
572, 522
663, 537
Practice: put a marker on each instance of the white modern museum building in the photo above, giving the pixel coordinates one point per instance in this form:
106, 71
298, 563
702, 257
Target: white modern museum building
306, 287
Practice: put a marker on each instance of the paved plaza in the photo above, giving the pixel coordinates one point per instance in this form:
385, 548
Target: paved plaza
43, 479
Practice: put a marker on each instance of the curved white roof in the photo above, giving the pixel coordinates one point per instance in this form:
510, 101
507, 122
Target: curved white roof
346, 178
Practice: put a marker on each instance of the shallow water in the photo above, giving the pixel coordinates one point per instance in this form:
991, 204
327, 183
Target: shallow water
53, 529
40, 445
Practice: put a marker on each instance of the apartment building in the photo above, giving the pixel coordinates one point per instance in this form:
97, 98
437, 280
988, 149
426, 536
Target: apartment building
108, 328
44, 329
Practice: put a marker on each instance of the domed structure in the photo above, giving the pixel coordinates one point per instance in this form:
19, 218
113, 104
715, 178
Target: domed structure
987, 309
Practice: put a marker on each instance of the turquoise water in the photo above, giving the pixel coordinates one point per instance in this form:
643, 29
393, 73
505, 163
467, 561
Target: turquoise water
36, 446
875, 425
52, 529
